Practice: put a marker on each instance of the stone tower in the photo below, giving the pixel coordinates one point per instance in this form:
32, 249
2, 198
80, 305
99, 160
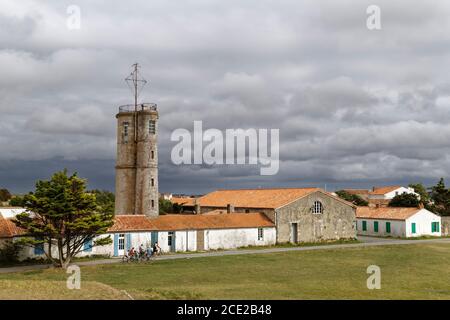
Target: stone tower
137, 160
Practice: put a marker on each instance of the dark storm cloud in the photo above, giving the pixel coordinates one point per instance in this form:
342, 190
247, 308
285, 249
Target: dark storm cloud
353, 106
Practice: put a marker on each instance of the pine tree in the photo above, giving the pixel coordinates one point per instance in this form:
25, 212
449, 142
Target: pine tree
440, 197
405, 200
60, 213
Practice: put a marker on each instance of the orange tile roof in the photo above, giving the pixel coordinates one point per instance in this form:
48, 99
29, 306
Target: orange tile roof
255, 198
186, 201
173, 222
217, 211
386, 213
357, 191
384, 190
223, 211
8, 228
131, 223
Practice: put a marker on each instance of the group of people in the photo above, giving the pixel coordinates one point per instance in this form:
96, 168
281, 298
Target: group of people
142, 253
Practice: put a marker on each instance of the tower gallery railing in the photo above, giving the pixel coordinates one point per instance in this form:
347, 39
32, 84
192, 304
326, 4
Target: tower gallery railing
140, 107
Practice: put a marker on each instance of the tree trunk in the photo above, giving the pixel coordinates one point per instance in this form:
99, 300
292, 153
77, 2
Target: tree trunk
66, 263
50, 249
60, 252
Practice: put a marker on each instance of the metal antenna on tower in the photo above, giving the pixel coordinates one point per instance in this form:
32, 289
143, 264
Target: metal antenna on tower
136, 83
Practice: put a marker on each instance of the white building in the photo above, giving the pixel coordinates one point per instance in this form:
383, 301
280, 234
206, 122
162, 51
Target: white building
11, 212
173, 232
389, 192
397, 222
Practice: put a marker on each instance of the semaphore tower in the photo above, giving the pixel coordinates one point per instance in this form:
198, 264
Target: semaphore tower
137, 154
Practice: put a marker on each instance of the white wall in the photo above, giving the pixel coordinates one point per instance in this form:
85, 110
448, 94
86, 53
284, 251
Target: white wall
392, 194
184, 241
234, 238
423, 220
397, 228
9, 213
138, 238
28, 252
403, 228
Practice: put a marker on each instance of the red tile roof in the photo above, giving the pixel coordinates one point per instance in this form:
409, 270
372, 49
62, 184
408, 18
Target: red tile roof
384, 190
255, 198
131, 223
8, 228
386, 213
185, 201
357, 191
172, 222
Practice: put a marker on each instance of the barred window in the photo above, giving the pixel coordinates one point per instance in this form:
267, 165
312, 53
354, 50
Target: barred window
317, 207
152, 126
125, 131
260, 234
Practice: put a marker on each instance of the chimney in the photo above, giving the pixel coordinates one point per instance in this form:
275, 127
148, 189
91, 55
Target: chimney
197, 207
421, 206
230, 208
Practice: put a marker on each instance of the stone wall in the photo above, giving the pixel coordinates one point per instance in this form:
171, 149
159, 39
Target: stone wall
336, 222
137, 164
270, 213
445, 222
147, 166
125, 164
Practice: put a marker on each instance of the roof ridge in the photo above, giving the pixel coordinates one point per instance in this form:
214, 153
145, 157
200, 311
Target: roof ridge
391, 186
280, 188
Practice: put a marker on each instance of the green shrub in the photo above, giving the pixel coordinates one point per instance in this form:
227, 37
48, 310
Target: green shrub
9, 251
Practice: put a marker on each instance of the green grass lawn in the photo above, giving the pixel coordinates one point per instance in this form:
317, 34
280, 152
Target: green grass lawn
416, 271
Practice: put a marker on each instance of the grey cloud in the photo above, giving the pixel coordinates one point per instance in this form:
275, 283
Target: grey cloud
354, 107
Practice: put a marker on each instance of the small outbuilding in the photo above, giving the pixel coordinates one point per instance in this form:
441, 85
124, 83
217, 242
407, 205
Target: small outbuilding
397, 222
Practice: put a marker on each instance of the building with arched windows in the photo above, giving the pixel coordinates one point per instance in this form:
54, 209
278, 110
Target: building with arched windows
299, 214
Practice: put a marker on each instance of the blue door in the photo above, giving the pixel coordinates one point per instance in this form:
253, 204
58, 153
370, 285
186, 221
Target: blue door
39, 248
87, 247
171, 240
154, 237
128, 242
116, 245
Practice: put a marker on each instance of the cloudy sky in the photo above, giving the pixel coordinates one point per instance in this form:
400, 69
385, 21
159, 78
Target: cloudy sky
355, 107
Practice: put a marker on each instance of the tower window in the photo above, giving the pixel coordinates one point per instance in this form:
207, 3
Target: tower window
153, 154
152, 182
153, 203
152, 126
317, 207
125, 131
